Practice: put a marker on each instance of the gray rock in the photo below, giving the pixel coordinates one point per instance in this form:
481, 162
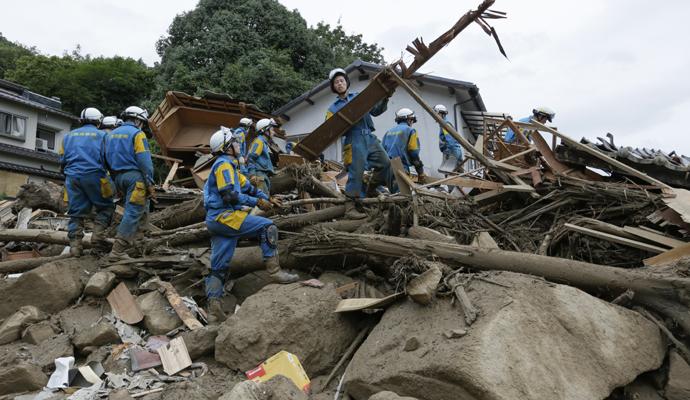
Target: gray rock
294, 318
37, 333
532, 339
423, 287
11, 329
46, 352
276, 388
159, 317
21, 377
100, 284
678, 386
389, 396
50, 287
98, 335
200, 342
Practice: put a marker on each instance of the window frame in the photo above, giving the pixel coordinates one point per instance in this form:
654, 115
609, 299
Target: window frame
12, 123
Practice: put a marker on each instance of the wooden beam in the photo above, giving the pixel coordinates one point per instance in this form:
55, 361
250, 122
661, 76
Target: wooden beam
654, 237
166, 158
668, 256
171, 175
615, 239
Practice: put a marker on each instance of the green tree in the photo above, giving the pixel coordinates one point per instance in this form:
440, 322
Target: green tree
254, 50
10, 52
108, 83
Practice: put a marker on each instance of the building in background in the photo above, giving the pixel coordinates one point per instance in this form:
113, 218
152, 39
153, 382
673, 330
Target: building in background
31, 130
464, 103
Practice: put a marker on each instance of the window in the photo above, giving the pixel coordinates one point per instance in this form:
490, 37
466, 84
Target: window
13, 126
46, 134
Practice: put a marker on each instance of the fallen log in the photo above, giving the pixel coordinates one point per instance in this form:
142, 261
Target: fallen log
16, 266
299, 220
575, 273
40, 236
283, 181
183, 214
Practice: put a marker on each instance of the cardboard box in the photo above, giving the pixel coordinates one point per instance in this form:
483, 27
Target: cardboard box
285, 364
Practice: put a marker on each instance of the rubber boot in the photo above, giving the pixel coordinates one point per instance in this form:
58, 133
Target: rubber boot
351, 211
215, 311
119, 251
99, 244
278, 275
76, 248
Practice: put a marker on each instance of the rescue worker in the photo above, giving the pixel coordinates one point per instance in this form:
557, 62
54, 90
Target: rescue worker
361, 148
540, 114
241, 133
109, 123
446, 142
402, 141
129, 159
259, 164
228, 196
87, 183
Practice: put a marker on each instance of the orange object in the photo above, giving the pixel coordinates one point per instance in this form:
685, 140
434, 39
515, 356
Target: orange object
285, 364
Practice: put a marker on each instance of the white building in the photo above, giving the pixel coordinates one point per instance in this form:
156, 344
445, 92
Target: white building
31, 129
305, 113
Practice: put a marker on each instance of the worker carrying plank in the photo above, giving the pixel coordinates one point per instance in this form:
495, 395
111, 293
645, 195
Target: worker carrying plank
446, 142
228, 197
87, 184
361, 148
539, 114
402, 141
259, 163
129, 159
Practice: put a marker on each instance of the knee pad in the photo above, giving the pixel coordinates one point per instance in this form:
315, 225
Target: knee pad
270, 235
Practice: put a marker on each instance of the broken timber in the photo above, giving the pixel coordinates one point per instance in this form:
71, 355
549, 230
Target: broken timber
380, 87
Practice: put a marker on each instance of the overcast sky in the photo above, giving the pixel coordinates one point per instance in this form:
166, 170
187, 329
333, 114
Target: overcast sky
619, 66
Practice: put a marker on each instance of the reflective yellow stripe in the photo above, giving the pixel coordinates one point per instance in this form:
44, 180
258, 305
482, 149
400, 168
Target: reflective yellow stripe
225, 175
138, 195
61, 150
106, 188
139, 146
347, 154
412, 144
328, 114
243, 179
257, 146
65, 197
232, 219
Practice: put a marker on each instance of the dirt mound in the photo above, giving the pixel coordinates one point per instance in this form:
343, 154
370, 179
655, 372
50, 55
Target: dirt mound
533, 340
294, 318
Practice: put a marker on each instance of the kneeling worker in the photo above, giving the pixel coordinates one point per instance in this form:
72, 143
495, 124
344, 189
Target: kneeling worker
228, 197
540, 114
402, 141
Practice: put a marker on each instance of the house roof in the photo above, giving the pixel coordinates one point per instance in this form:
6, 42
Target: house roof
28, 153
23, 169
363, 67
19, 94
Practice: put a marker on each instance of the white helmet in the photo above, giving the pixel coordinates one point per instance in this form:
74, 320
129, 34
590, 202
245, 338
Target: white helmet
110, 122
91, 114
134, 112
221, 139
335, 72
441, 109
405, 114
546, 112
246, 122
265, 124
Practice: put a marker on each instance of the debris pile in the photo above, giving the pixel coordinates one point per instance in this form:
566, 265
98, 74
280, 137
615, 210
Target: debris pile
534, 274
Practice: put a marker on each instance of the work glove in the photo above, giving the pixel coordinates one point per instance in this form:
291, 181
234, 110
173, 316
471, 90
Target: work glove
264, 205
151, 193
421, 179
255, 180
275, 201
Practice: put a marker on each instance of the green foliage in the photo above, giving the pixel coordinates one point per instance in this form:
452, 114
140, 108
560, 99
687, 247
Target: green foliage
255, 50
110, 84
9, 54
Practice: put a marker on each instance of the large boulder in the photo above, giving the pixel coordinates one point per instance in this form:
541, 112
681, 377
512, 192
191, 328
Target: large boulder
533, 340
11, 328
50, 287
98, 335
159, 316
294, 318
389, 396
22, 377
100, 284
678, 386
200, 342
276, 388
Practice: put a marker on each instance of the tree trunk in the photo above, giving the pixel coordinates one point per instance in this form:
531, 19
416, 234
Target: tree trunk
15, 266
40, 236
283, 181
187, 213
46, 196
297, 220
575, 273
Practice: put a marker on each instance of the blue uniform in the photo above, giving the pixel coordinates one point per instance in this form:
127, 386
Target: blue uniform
447, 143
128, 156
226, 192
87, 183
402, 141
241, 134
510, 136
259, 162
362, 150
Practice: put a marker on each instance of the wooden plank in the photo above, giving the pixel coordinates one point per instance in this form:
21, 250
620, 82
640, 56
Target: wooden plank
652, 236
595, 153
166, 158
23, 218
680, 203
473, 183
174, 356
124, 306
399, 173
668, 256
348, 305
615, 239
171, 175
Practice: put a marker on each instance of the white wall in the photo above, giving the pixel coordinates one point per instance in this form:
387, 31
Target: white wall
304, 118
34, 117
